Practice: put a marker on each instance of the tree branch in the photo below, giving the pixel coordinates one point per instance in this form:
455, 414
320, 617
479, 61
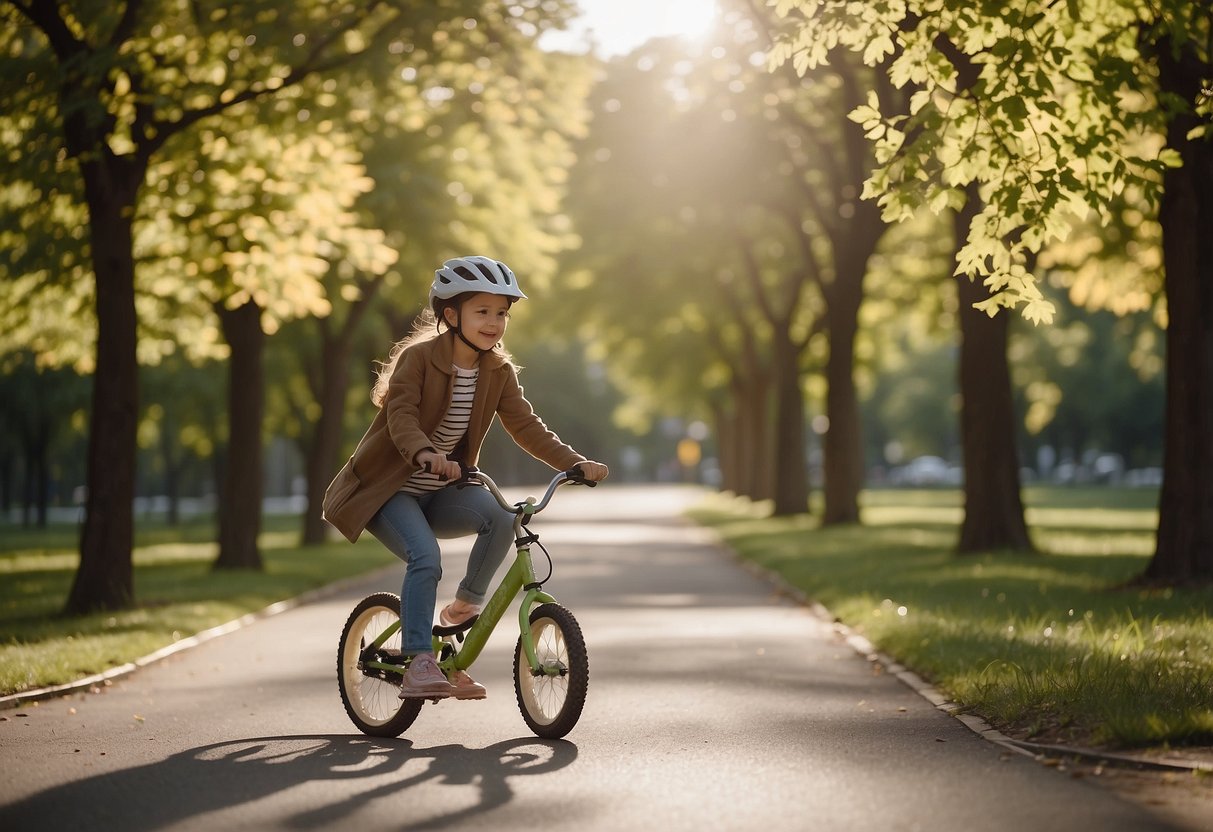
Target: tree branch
749, 353
127, 24
810, 194
854, 146
755, 278
312, 64
811, 266
44, 14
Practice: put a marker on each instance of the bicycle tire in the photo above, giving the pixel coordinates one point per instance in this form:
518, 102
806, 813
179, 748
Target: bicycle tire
372, 700
552, 704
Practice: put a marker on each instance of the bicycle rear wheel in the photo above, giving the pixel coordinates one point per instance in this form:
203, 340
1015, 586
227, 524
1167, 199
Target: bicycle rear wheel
371, 696
551, 701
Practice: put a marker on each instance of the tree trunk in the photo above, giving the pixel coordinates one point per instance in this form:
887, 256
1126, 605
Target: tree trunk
41, 462
791, 466
172, 467
325, 447
35, 446
993, 509
743, 439
842, 445
240, 495
7, 467
727, 434
1184, 546
756, 444
27, 478
105, 578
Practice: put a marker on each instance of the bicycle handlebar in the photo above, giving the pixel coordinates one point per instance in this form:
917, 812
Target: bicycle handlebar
469, 475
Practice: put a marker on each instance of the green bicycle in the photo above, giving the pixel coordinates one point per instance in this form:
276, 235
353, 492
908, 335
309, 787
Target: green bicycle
551, 668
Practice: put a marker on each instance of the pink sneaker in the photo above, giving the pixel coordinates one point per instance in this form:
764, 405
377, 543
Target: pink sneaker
424, 680
448, 617
466, 687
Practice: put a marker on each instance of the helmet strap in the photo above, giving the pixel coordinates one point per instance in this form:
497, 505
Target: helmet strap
459, 332
463, 338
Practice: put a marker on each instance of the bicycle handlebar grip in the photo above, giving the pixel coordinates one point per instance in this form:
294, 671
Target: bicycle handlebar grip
467, 475
575, 475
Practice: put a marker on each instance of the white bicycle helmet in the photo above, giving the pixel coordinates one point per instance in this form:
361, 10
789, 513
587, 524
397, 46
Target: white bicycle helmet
474, 274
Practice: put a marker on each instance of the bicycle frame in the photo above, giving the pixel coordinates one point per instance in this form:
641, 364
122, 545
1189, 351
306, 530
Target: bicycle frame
519, 577
520, 574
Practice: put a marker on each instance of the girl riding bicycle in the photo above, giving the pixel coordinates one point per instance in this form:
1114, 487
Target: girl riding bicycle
437, 395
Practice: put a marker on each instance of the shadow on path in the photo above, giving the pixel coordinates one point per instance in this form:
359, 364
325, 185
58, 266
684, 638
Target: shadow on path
214, 777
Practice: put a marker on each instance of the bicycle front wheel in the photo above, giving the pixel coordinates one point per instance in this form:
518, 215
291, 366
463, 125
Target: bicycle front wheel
551, 699
370, 695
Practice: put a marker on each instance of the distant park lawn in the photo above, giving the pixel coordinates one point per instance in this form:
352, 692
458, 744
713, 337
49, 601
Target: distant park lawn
178, 595
1047, 647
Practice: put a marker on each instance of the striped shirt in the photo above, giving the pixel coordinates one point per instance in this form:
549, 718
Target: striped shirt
449, 431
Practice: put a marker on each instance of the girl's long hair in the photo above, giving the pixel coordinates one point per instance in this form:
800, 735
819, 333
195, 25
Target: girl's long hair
426, 327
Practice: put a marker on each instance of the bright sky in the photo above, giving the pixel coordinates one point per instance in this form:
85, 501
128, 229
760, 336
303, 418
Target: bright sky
616, 27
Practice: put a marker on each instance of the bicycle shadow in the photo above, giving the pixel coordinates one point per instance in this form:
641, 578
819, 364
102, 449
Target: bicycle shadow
227, 774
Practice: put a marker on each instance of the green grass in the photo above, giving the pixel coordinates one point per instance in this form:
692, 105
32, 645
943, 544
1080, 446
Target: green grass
178, 595
1046, 646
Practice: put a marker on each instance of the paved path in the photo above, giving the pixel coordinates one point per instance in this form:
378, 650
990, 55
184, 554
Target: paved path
714, 705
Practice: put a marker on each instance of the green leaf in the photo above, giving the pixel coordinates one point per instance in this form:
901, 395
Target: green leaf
1039, 311
1170, 157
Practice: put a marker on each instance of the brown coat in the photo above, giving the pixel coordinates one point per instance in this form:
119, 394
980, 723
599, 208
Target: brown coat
418, 395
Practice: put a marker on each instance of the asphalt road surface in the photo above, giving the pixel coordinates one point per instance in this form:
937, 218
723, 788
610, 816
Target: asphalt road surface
714, 704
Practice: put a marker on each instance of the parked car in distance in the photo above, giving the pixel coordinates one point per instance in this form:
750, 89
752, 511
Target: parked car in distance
925, 471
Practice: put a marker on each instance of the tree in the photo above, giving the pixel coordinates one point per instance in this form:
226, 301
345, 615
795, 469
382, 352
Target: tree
1048, 132
118, 81
268, 218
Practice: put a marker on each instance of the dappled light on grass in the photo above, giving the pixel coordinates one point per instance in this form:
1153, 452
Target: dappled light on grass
1093, 519
1045, 645
1133, 544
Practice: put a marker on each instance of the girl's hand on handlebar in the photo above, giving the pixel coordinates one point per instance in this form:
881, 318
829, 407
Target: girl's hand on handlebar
438, 464
592, 471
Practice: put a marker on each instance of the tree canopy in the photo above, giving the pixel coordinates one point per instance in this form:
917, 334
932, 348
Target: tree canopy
1043, 104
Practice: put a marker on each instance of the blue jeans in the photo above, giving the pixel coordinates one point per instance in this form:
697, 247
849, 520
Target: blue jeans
410, 527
